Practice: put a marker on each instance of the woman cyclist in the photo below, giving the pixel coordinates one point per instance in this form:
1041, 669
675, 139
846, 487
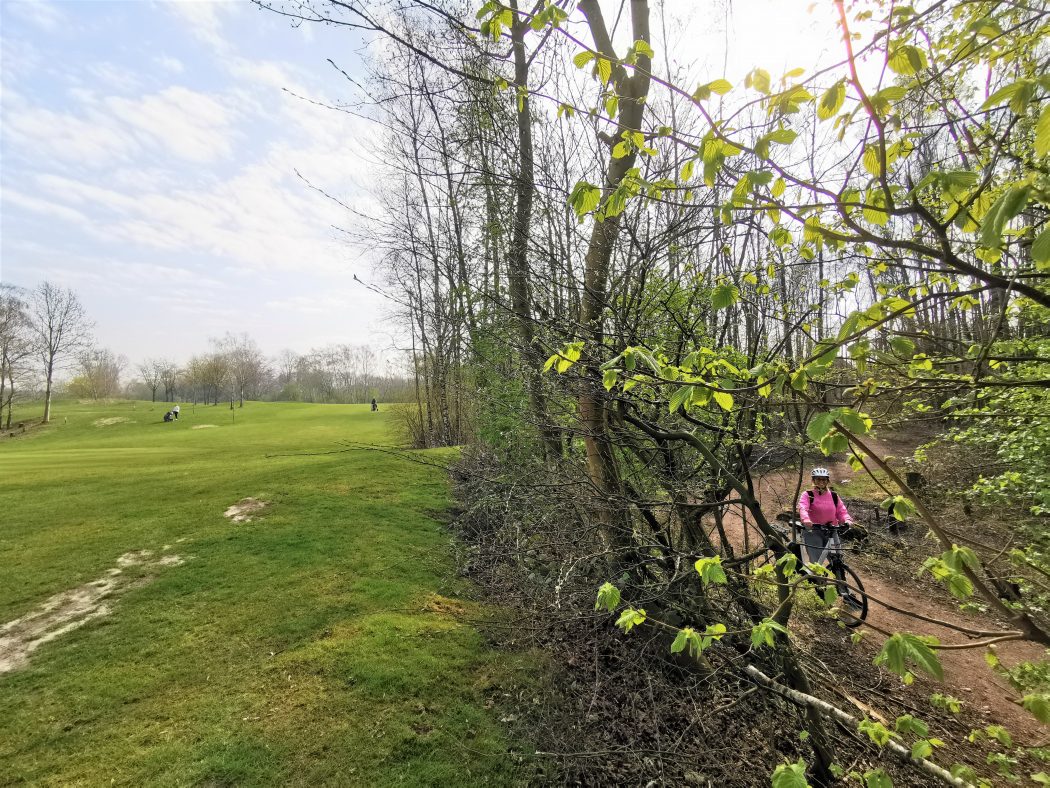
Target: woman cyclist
821, 506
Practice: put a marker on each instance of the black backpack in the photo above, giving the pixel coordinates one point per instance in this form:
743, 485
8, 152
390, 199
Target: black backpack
834, 498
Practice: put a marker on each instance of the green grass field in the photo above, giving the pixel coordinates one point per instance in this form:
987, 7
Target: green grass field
325, 642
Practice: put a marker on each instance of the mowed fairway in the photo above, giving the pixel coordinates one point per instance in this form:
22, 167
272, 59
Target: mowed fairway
325, 642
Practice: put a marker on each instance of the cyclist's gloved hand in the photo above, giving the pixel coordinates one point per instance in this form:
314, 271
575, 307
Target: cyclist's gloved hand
807, 523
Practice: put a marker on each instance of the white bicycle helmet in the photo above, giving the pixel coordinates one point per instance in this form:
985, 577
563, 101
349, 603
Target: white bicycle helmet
820, 472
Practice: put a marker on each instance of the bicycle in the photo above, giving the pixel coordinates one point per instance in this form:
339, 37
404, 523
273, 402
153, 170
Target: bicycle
848, 586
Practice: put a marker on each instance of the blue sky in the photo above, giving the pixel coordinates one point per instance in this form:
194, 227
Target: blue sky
149, 156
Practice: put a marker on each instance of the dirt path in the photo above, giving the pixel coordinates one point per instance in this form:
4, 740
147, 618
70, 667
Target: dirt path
966, 675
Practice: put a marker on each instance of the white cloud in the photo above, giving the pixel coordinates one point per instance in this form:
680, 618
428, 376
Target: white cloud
38, 13
180, 208
20, 59
204, 19
325, 303
260, 219
46, 207
168, 63
42, 132
194, 126
113, 76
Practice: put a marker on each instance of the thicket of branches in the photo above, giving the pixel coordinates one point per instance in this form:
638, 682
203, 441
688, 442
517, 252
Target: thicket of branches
629, 290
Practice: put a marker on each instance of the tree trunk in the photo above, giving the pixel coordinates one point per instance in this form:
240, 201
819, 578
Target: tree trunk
50, 372
517, 256
601, 461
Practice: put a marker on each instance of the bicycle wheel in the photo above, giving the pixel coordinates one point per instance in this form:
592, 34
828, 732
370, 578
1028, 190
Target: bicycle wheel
854, 607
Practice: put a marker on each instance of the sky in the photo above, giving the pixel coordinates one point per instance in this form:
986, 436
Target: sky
149, 153
149, 157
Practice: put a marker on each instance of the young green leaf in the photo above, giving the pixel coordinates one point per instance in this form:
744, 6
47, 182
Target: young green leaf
764, 633
902, 346
790, 775
877, 778
1000, 734
857, 423
582, 59
681, 397
872, 161
724, 295
710, 570
608, 597
876, 731
758, 79
832, 100
724, 399
1039, 705
1018, 94
584, 198
907, 60
683, 637
1011, 203
902, 650
907, 723
630, 618
946, 702
604, 69
1041, 250
819, 426
1042, 132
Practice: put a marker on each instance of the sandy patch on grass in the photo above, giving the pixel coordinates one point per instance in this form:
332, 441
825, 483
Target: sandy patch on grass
203, 426
71, 609
435, 603
109, 422
242, 511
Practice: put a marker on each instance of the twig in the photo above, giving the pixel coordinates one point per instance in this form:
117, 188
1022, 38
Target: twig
808, 701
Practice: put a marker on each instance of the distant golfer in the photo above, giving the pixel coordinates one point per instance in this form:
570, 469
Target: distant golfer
175, 411
375, 405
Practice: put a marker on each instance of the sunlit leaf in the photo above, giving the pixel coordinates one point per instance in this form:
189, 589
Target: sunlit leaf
832, 100
724, 295
907, 60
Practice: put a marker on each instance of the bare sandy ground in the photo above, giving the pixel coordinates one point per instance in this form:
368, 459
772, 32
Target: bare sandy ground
109, 422
245, 509
71, 609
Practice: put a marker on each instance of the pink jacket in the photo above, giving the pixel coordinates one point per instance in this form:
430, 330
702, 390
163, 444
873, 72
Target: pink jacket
823, 509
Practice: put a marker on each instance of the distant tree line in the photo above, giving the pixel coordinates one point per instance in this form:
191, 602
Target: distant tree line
236, 370
46, 346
